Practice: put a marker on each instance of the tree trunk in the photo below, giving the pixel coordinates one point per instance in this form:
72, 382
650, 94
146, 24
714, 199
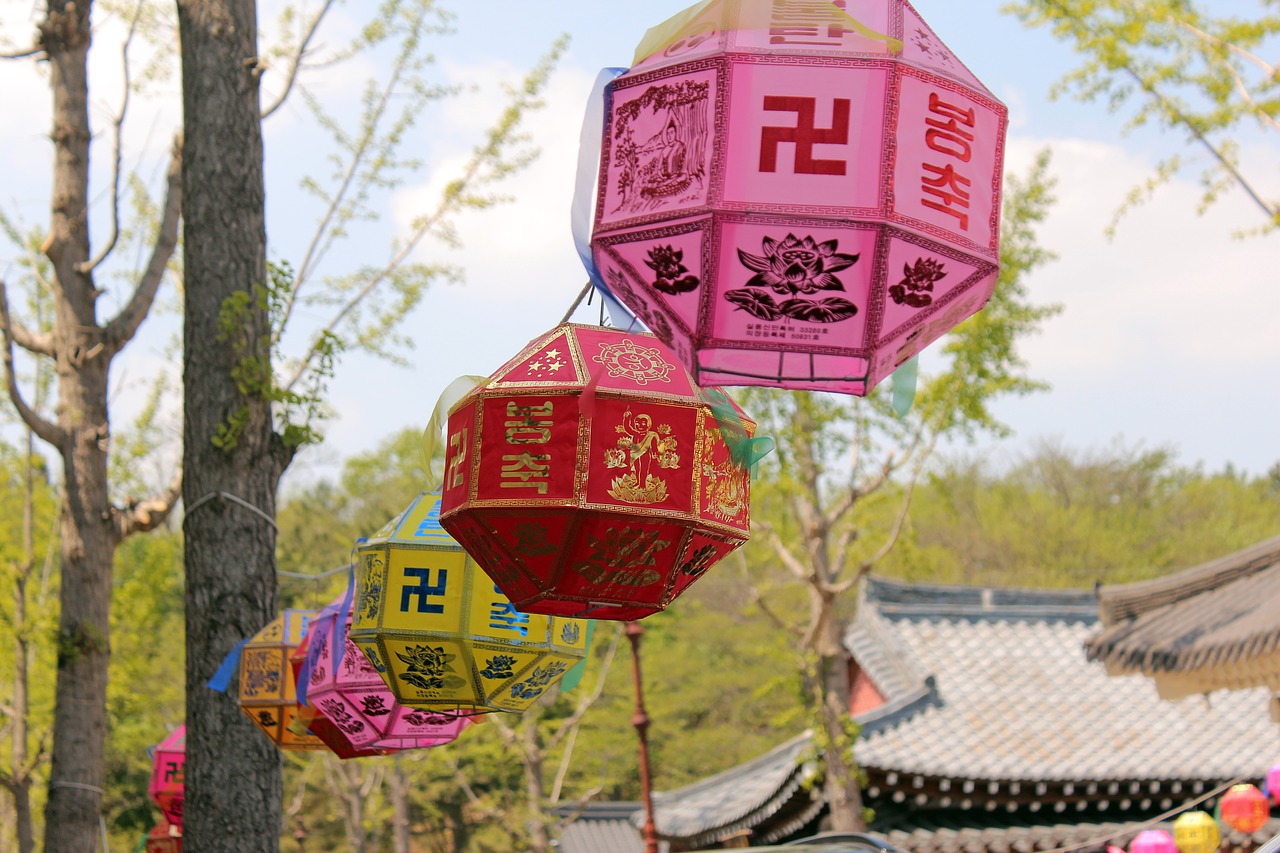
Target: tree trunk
233, 772
843, 793
88, 537
399, 806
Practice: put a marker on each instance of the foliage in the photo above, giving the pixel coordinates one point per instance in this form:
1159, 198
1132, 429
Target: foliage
1109, 515
1176, 65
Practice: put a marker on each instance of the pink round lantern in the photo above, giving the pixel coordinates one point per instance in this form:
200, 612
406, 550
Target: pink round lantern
352, 697
318, 724
590, 477
168, 762
799, 195
1273, 784
1244, 808
1153, 841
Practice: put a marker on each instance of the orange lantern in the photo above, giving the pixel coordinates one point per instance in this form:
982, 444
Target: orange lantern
1245, 808
164, 837
590, 476
268, 692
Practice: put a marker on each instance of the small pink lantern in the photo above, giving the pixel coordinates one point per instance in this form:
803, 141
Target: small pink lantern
169, 759
352, 697
1244, 808
1153, 841
799, 195
1273, 784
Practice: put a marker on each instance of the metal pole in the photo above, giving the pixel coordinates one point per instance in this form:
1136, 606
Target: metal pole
641, 721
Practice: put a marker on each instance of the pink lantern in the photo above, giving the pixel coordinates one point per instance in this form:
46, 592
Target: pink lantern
1153, 841
799, 195
1244, 808
1273, 784
318, 724
169, 759
351, 695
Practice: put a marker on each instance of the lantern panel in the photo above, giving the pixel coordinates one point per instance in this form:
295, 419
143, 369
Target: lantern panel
1196, 832
1153, 841
471, 656
650, 468
164, 837
268, 691
167, 786
736, 116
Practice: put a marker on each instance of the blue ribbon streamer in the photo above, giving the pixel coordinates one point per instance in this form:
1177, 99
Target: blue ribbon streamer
222, 678
584, 184
904, 385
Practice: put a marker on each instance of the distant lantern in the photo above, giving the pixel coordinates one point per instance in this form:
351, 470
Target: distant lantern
799, 195
1273, 784
267, 690
357, 713
1153, 841
168, 761
1245, 808
164, 837
438, 631
1196, 832
590, 476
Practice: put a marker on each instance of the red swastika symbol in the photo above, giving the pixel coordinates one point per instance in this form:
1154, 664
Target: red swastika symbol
804, 135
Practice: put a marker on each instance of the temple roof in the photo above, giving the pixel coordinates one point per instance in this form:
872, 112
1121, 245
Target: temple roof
1211, 627
990, 702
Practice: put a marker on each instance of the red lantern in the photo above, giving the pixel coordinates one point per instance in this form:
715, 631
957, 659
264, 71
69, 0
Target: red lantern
590, 477
800, 198
168, 761
1245, 808
164, 837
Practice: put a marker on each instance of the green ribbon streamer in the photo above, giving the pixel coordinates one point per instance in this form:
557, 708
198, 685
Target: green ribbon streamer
904, 385
745, 451
574, 676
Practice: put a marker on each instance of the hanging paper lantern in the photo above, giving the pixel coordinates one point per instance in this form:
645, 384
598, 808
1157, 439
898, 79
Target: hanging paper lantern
164, 837
1196, 832
1153, 841
168, 760
590, 477
1273, 784
318, 724
438, 631
1244, 808
799, 195
356, 710
268, 694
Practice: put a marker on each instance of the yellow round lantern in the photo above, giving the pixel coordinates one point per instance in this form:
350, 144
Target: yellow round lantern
268, 692
1196, 832
440, 633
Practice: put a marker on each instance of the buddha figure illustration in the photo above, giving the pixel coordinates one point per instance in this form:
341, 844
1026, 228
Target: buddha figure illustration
666, 171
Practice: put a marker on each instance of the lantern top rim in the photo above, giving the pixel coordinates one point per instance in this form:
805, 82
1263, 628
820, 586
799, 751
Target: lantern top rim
405, 529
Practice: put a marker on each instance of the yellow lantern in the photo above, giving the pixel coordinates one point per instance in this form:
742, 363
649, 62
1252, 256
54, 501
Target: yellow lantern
268, 693
1196, 832
440, 633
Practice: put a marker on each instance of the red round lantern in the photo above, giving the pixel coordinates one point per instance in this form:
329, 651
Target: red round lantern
164, 837
798, 198
1245, 808
168, 761
590, 476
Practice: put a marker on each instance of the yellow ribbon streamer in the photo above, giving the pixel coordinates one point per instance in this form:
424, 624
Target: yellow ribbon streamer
431, 436
731, 14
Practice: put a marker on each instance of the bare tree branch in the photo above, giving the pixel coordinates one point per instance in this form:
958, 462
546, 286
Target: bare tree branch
125, 325
87, 267
147, 515
46, 429
571, 722
23, 53
295, 61
790, 560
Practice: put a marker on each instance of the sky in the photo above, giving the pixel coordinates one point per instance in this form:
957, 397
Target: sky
1169, 335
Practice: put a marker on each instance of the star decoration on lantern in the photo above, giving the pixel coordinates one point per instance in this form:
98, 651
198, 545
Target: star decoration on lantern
551, 361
